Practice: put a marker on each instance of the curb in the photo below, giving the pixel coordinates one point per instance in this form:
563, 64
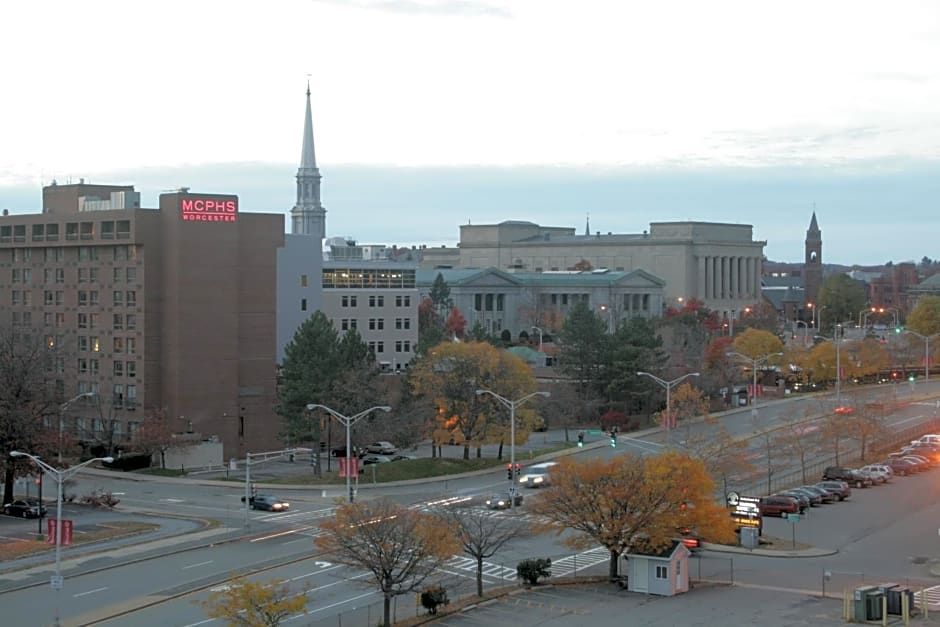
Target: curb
739, 550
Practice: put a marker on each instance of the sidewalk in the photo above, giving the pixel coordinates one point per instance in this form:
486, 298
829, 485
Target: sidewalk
740, 550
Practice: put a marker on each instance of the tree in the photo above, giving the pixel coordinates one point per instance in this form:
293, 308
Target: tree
583, 340
632, 502
430, 327
440, 296
456, 324
842, 297
755, 343
480, 535
451, 373
761, 316
156, 435
725, 457
399, 547
834, 430
794, 438
244, 603
925, 317
866, 425
26, 399
322, 367
687, 402
635, 346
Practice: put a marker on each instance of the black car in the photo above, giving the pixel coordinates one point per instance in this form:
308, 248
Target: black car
501, 501
23, 508
825, 495
851, 477
269, 503
801, 497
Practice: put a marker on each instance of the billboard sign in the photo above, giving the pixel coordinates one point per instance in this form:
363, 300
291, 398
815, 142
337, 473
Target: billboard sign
208, 209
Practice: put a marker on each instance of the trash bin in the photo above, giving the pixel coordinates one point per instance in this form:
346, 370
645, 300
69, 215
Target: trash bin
894, 598
873, 604
860, 599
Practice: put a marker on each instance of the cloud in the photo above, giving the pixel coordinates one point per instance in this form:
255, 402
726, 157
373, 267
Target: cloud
462, 8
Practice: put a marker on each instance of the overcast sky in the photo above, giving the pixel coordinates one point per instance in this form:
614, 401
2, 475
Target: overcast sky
432, 113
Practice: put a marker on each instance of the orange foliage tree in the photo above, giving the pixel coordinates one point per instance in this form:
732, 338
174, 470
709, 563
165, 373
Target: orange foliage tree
633, 503
244, 603
449, 376
399, 547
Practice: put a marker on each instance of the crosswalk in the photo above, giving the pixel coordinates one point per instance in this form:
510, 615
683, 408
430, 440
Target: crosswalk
563, 567
932, 595
295, 517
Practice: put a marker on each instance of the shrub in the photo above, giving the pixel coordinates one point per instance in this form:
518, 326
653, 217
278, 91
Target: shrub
130, 462
614, 419
531, 570
432, 596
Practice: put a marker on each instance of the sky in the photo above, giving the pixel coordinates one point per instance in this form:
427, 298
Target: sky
429, 114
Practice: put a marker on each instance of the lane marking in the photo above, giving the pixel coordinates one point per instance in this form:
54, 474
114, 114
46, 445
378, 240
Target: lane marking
282, 533
196, 565
81, 594
202, 622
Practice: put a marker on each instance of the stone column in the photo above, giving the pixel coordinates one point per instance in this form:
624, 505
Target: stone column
701, 282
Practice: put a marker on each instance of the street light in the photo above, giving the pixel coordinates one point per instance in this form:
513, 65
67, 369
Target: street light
668, 385
534, 328
348, 422
512, 433
62, 409
837, 340
816, 314
610, 317
926, 339
60, 476
755, 361
805, 330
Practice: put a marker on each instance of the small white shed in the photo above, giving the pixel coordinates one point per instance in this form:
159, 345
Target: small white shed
665, 573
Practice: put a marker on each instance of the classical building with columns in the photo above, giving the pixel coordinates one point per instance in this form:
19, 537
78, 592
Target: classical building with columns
719, 264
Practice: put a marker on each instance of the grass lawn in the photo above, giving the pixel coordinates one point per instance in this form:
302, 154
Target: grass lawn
163, 472
405, 470
101, 531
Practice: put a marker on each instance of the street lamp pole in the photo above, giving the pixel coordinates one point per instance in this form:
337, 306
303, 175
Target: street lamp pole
837, 340
348, 422
60, 477
512, 433
668, 385
798, 322
926, 339
540, 337
755, 361
62, 409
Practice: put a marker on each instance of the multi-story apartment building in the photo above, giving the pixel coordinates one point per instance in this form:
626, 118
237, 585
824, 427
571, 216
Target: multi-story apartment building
168, 310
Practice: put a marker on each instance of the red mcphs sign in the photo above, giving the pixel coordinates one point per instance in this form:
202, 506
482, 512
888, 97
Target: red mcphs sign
196, 209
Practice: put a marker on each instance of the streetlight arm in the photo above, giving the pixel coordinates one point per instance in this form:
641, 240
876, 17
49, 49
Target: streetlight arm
511, 404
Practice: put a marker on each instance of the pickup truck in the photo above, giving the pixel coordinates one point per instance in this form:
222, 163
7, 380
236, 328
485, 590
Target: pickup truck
851, 477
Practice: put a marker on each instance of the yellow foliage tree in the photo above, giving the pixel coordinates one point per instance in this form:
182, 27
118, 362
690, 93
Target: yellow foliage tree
686, 403
450, 374
244, 603
632, 503
866, 357
755, 343
399, 547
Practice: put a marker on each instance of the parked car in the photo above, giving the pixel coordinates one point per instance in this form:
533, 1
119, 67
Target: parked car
824, 495
930, 438
25, 508
899, 466
340, 451
838, 473
375, 459
929, 451
920, 462
803, 498
778, 506
382, 448
878, 473
269, 503
840, 489
814, 499
501, 501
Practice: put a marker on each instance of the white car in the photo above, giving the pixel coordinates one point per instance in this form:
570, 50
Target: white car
382, 448
536, 476
877, 473
930, 438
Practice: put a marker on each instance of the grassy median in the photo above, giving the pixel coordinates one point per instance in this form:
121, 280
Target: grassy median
102, 531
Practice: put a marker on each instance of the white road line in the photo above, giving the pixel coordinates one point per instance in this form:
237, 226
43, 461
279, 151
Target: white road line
282, 533
81, 594
202, 622
349, 600
196, 565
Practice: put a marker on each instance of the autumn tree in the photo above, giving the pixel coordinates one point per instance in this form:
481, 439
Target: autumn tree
725, 457
761, 316
155, 435
399, 547
687, 402
925, 317
480, 535
26, 399
449, 376
794, 437
244, 603
632, 503
456, 324
754, 343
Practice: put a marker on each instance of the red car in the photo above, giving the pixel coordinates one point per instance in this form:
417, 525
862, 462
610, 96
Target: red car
778, 506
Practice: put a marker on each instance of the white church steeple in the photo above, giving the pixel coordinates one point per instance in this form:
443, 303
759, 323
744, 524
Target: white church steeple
308, 217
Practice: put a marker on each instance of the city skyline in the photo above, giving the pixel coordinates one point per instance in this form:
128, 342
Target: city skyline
449, 112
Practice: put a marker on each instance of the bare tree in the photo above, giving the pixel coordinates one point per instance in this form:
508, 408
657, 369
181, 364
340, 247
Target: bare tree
398, 546
480, 535
725, 457
156, 435
794, 438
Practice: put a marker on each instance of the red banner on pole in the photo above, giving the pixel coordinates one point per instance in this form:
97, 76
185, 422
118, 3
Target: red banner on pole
66, 531
348, 466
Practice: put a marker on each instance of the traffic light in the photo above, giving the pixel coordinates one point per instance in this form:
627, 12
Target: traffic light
911, 377
509, 471
897, 330
613, 440
518, 469
580, 440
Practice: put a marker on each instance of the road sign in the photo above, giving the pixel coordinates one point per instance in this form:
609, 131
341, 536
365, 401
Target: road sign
733, 499
793, 518
56, 582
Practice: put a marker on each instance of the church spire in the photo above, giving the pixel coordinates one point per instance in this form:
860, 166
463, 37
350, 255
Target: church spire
587, 225
308, 217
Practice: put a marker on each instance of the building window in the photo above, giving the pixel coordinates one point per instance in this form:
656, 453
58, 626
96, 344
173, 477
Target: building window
131, 298
82, 298
47, 297
82, 343
47, 318
93, 298
15, 297
118, 369
118, 297
376, 324
117, 395
60, 320
489, 302
83, 275
94, 320
59, 297
407, 301
131, 369
82, 321
303, 304
131, 346
118, 275
93, 366
131, 396
15, 275
82, 365
397, 346
478, 302
344, 324
118, 345
380, 347
398, 301
118, 324
131, 320
107, 230
303, 280
60, 275
662, 572
94, 344
407, 347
